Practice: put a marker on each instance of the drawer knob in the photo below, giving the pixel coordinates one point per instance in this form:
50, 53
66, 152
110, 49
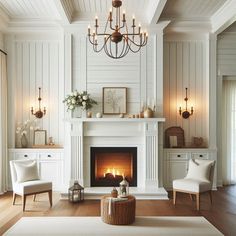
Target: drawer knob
25, 155
178, 155
49, 155
200, 155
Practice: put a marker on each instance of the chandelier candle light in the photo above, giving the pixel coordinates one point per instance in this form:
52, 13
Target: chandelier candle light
117, 41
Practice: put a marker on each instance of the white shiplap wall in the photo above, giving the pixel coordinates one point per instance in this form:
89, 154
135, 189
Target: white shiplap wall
226, 53
93, 71
1, 41
185, 66
36, 62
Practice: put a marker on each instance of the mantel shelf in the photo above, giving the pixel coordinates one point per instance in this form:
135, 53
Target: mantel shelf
75, 120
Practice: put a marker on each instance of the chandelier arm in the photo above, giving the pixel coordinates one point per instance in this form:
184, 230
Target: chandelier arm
138, 45
131, 49
105, 42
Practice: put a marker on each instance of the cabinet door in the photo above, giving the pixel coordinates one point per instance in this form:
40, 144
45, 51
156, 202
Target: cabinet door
51, 170
176, 170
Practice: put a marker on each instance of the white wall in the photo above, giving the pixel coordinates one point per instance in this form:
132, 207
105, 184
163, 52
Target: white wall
93, 71
36, 60
185, 66
1, 41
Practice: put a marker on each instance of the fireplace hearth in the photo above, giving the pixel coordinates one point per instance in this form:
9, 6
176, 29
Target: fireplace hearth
110, 164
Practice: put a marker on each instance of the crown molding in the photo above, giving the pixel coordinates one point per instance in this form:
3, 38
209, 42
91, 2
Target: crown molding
224, 17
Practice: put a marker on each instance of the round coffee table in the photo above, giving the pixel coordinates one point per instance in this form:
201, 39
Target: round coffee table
119, 212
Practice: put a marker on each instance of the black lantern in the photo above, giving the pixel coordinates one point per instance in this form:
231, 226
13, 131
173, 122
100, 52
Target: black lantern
76, 193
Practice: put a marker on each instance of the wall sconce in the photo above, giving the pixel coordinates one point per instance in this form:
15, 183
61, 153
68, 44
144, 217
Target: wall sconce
185, 114
39, 113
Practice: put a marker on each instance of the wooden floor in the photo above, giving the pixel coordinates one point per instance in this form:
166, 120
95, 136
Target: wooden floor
222, 214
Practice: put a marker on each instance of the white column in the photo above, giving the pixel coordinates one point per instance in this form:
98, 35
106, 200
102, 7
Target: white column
151, 149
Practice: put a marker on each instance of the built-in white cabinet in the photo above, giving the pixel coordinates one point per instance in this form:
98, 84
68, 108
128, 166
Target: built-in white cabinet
176, 162
50, 163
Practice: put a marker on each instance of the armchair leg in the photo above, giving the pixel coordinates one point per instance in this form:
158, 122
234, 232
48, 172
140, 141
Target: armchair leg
174, 197
23, 202
14, 199
198, 201
50, 197
210, 194
191, 197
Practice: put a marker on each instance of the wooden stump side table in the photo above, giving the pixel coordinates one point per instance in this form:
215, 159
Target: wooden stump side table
121, 212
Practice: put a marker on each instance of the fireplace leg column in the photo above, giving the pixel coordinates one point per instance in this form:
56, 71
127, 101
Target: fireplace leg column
77, 153
151, 147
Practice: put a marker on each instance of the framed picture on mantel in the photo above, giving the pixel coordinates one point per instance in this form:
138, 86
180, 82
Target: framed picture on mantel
114, 100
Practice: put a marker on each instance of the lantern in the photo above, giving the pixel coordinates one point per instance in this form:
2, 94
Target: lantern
76, 193
124, 188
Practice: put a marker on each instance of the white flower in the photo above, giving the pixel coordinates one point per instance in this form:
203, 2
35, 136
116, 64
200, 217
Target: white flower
75, 93
71, 107
73, 101
85, 97
17, 131
31, 127
18, 128
83, 103
24, 132
72, 93
68, 101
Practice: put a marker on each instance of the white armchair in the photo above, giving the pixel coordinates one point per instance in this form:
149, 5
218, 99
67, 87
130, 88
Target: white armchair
26, 181
198, 180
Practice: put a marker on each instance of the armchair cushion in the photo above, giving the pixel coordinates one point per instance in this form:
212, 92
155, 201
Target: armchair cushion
26, 171
191, 185
199, 170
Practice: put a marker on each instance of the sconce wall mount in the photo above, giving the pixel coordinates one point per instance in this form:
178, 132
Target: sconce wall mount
186, 114
39, 113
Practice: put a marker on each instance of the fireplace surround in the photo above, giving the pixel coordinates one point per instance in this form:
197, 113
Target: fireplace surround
109, 165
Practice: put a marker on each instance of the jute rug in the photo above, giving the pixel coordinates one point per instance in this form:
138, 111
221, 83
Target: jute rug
84, 226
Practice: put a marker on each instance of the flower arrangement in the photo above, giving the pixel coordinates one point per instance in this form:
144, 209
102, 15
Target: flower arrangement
22, 128
76, 99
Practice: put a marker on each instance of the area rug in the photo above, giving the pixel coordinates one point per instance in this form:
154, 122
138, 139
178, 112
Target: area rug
85, 226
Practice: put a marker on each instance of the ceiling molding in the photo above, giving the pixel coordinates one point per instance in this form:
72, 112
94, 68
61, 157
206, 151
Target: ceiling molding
65, 10
154, 10
224, 17
189, 27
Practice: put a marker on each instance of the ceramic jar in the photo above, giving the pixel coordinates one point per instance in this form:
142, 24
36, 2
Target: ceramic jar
148, 113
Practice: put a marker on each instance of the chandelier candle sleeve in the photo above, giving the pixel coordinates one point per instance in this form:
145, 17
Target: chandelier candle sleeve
120, 41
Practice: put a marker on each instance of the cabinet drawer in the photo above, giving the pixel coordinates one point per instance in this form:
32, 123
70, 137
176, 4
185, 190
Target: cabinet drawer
21, 156
178, 156
50, 155
200, 156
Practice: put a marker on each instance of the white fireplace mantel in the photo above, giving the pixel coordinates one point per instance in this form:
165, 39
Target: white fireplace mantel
138, 132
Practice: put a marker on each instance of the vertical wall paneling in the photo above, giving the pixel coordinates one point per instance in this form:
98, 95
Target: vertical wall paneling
184, 66
37, 64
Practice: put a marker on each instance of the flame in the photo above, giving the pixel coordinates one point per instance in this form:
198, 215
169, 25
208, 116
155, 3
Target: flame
113, 171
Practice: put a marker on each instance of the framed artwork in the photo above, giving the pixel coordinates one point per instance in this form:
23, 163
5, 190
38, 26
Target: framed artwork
40, 137
114, 100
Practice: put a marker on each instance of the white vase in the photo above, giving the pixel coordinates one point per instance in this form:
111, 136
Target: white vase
24, 141
77, 112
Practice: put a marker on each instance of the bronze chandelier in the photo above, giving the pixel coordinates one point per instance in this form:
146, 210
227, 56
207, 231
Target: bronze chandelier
116, 40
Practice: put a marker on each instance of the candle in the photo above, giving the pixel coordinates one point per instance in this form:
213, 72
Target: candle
110, 17
133, 20
139, 28
89, 30
96, 21
123, 16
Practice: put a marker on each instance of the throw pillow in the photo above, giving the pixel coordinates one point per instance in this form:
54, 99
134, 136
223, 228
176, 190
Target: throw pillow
199, 170
26, 171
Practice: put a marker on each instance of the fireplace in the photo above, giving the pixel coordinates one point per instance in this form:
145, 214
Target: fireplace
110, 164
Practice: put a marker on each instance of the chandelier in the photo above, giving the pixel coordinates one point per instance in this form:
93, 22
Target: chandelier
117, 40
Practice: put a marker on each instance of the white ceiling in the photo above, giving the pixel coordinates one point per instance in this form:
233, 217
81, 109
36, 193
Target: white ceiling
191, 9
30, 9
146, 11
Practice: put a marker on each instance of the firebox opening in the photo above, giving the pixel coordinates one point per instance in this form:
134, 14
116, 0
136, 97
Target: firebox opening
110, 164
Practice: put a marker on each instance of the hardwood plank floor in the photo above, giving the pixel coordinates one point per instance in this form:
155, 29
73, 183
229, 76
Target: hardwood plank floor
222, 214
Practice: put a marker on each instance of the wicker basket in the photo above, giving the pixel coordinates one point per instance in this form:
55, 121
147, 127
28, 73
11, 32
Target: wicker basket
122, 213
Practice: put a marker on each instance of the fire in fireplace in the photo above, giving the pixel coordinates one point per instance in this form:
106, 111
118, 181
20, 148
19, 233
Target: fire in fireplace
110, 164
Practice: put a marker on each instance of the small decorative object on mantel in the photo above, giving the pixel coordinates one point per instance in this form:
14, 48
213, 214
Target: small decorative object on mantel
82, 100
99, 115
76, 193
50, 141
148, 113
114, 193
89, 114
40, 137
124, 188
121, 115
